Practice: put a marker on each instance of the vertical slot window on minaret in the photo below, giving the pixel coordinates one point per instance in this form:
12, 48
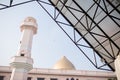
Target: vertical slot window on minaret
22, 53
20, 42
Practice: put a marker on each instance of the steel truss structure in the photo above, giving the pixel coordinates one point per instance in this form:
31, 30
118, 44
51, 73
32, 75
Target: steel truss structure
87, 27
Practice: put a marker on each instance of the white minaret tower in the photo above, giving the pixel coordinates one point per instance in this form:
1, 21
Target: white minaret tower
22, 63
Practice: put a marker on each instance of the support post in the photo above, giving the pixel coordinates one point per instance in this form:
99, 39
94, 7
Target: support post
117, 67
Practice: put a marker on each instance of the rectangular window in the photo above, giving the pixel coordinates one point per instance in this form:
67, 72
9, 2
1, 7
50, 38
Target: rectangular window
1, 77
22, 54
53, 79
29, 78
40, 78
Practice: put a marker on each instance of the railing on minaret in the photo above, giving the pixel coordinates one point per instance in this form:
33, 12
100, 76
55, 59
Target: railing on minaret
22, 63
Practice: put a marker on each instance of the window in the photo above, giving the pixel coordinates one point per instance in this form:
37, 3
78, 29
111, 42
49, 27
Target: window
40, 78
67, 79
20, 42
29, 78
22, 54
53, 79
72, 78
1, 77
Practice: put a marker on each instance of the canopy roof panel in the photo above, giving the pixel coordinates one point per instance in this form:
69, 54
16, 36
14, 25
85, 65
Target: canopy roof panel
98, 21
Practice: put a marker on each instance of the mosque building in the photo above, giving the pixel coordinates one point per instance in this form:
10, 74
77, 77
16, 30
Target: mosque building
21, 65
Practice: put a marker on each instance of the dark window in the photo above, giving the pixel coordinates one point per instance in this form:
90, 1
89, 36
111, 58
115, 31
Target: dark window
40, 78
22, 54
29, 78
67, 79
72, 78
1, 77
53, 79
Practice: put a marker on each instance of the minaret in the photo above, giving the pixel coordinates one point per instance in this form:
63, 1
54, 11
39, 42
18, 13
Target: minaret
22, 63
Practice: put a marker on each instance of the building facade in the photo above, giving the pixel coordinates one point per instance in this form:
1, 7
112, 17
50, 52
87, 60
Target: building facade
58, 74
62, 70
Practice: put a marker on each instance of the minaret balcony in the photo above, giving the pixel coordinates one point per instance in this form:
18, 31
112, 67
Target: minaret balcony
22, 62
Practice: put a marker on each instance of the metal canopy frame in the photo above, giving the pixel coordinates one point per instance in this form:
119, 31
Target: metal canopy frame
77, 36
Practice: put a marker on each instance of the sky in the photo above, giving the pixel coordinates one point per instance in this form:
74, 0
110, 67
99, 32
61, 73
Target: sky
49, 44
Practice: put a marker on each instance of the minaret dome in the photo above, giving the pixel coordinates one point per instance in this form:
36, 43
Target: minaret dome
29, 22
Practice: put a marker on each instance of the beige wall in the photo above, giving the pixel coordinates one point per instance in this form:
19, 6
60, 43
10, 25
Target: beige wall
61, 74
6, 75
59, 77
